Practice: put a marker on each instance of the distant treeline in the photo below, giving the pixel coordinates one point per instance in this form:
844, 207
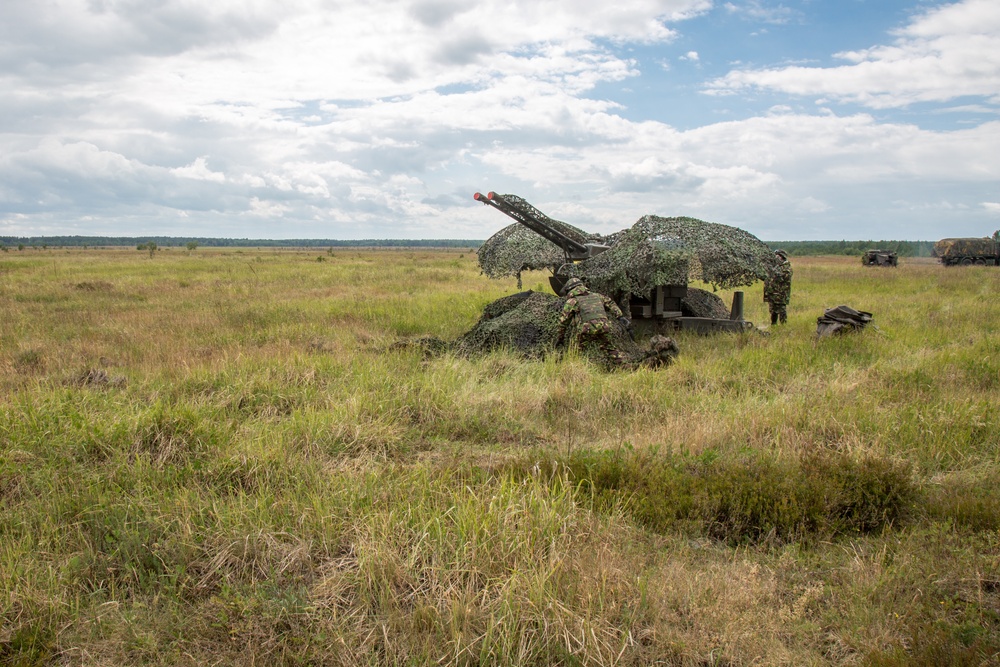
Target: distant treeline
901, 248
182, 241
800, 248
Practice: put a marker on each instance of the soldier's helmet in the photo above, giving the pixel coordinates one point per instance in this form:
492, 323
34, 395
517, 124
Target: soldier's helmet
572, 284
781, 253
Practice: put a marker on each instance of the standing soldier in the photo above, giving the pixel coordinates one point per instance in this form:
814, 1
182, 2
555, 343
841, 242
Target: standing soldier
778, 287
591, 310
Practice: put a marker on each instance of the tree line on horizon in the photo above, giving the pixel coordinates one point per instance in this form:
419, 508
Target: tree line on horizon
799, 248
183, 241
809, 248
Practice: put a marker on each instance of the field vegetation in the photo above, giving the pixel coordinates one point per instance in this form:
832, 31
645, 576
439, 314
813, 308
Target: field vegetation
219, 457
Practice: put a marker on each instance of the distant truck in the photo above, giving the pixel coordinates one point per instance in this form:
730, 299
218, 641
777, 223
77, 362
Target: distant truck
879, 258
984, 251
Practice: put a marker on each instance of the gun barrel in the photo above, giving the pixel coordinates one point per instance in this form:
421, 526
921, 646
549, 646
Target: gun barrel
574, 249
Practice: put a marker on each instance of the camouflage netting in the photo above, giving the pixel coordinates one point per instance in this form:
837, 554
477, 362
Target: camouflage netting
527, 323
964, 247
515, 248
654, 251
701, 303
675, 251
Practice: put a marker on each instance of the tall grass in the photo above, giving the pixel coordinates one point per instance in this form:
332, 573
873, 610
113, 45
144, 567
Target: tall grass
216, 457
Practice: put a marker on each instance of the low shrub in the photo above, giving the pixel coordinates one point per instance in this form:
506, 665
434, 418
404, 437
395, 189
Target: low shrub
30, 643
930, 646
750, 496
974, 507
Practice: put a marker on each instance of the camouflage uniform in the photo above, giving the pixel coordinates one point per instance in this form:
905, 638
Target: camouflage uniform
662, 352
591, 310
778, 288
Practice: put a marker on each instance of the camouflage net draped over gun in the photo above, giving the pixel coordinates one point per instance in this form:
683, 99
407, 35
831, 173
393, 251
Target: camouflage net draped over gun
528, 323
674, 251
654, 251
515, 248
701, 303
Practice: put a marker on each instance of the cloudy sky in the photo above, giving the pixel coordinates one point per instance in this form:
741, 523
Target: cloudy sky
794, 119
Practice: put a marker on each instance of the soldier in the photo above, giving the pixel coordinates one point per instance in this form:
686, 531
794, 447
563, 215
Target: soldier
591, 310
662, 352
778, 287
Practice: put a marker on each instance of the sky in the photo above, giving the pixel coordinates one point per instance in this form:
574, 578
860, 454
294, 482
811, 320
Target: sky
793, 119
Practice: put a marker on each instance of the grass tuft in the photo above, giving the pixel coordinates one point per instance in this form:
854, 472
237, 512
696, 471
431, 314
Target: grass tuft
745, 497
972, 506
934, 646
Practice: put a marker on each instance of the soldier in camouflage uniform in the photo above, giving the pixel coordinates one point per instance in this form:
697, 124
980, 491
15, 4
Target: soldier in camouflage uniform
662, 352
778, 287
592, 311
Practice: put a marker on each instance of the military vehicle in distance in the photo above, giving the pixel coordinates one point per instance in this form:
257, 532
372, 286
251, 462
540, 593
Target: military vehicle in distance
879, 258
965, 251
645, 268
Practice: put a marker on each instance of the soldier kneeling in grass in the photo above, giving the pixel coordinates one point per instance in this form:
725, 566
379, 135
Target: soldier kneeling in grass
593, 312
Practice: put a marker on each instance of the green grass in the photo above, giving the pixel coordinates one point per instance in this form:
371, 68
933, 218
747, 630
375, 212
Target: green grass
746, 497
216, 457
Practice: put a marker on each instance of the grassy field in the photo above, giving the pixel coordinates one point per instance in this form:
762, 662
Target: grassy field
213, 457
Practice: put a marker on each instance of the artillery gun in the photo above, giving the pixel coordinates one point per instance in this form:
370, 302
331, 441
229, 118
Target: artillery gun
645, 268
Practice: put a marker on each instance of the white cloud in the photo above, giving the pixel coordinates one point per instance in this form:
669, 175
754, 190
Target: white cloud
310, 119
266, 209
782, 176
81, 159
947, 52
756, 10
199, 170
